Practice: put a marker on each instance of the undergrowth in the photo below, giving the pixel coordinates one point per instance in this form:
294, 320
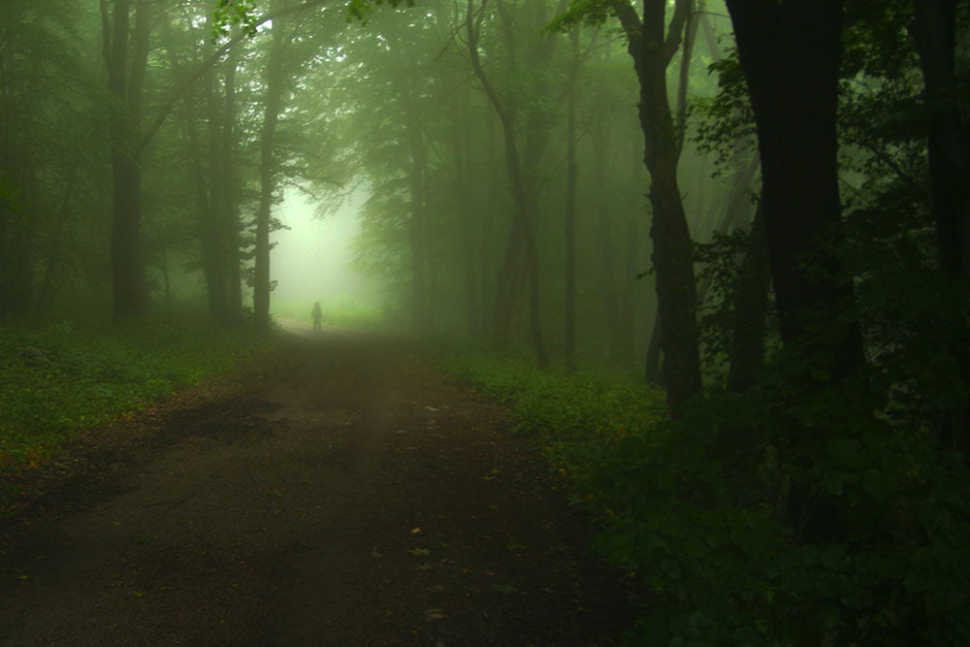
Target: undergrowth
577, 419
713, 533
59, 379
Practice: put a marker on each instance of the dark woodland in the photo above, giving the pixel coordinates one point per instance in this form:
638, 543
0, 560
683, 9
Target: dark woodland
485, 322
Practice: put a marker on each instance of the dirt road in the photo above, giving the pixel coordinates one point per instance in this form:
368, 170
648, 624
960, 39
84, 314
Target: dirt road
341, 492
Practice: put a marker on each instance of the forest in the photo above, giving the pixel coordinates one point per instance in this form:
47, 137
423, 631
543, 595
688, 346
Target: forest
711, 256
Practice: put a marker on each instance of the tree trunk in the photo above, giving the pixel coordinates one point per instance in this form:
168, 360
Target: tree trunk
521, 251
230, 218
214, 221
653, 372
418, 235
126, 73
672, 247
934, 32
790, 55
569, 221
45, 298
750, 309
466, 213
267, 175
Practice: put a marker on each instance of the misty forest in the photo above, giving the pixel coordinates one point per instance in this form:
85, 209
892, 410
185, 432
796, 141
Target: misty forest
485, 322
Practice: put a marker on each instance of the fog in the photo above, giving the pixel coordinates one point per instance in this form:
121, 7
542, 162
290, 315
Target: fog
313, 258
712, 255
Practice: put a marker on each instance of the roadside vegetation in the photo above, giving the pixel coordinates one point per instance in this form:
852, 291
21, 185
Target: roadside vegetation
723, 555
62, 378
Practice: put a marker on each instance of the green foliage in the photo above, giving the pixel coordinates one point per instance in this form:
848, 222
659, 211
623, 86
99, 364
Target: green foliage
361, 9
700, 509
233, 13
63, 378
581, 12
572, 416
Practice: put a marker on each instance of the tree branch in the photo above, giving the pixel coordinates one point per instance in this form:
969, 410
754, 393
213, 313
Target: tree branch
676, 29
632, 27
183, 87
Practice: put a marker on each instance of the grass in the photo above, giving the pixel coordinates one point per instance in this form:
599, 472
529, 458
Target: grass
576, 418
59, 379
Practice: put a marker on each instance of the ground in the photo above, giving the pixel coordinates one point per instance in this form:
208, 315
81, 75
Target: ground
339, 491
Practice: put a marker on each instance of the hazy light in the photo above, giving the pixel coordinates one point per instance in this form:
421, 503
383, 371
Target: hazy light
312, 260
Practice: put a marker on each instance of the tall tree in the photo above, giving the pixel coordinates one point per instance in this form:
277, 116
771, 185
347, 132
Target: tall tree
521, 253
126, 56
790, 54
652, 47
274, 80
569, 220
948, 145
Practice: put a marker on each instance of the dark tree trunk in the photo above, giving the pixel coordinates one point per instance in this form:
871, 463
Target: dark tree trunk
672, 247
126, 74
750, 309
934, 32
418, 228
486, 234
948, 144
628, 301
419, 278
17, 241
790, 55
466, 213
569, 220
45, 297
521, 256
230, 219
214, 221
267, 176
652, 372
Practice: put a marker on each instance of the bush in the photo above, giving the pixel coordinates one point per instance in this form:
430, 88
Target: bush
709, 511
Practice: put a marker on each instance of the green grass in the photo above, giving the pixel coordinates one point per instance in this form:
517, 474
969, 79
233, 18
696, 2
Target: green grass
576, 418
60, 379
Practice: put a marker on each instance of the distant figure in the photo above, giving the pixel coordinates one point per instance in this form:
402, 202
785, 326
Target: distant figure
317, 316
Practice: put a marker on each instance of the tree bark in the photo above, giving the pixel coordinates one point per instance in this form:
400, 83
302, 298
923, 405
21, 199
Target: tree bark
672, 248
934, 32
214, 221
273, 103
126, 74
521, 255
569, 220
747, 351
231, 205
790, 55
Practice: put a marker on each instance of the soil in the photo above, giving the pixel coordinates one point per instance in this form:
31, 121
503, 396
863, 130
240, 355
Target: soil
339, 491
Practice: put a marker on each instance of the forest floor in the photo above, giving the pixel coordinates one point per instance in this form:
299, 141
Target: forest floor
340, 490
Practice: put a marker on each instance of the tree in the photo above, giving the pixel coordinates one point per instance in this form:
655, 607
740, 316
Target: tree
521, 252
948, 146
268, 167
126, 57
790, 55
652, 44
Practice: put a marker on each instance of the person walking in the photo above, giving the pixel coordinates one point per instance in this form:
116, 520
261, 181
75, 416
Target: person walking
317, 316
